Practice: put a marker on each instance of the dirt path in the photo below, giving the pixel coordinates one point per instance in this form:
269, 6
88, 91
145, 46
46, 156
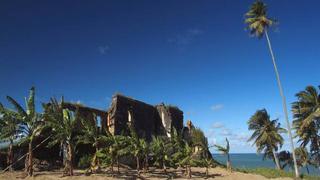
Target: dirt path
197, 173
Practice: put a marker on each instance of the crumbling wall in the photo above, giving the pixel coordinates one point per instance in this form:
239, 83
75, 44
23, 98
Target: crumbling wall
147, 120
126, 110
170, 117
88, 113
176, 116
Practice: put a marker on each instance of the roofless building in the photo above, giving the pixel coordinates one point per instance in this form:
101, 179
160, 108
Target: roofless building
148, 120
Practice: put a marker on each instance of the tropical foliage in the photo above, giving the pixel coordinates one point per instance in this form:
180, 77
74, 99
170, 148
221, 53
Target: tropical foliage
306, 112
30, 124
160, 150
257, 20
69, 129
258, 23
91, 134
225, 150
9, 130
62, 123
266, 135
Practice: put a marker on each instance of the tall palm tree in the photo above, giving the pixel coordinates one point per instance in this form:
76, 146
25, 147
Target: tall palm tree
9, 130
31, 125
62, 123
258, 23
306, 113
266, 135
225, 151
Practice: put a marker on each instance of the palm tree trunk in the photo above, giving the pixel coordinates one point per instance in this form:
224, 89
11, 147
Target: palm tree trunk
307, 169
118, 165
207, 171
145, 164
30, 160
283, 104
276, 159
189, 172
138, 165
229, 163
97, 161
112, 163
70, 160
10, 155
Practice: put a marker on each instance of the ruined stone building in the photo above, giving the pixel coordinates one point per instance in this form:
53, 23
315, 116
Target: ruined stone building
148, 120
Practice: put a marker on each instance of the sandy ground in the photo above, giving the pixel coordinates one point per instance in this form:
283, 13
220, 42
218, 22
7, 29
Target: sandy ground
197, 173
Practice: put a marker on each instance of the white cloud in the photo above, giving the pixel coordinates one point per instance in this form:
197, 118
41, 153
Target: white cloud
217, 125
185, 38
226, 132
241, 137
216, 107
103, 49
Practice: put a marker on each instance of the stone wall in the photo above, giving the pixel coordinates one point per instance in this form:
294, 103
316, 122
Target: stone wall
171, 117
88, 113
147, 120
126, 110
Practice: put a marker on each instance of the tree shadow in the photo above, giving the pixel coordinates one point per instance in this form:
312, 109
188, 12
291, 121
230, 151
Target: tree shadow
204, 176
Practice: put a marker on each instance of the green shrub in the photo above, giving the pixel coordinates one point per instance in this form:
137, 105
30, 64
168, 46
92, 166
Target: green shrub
85, 161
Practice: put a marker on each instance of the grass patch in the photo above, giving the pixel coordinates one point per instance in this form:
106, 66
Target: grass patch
274, 173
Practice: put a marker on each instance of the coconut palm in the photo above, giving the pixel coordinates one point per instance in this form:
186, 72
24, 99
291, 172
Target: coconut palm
9, 130
303, 159
285, 158
258, 23
31, 125
225, 151
306, 112
63, 124
266, 135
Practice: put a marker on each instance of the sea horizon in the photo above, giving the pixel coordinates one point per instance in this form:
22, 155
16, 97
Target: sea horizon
254, 160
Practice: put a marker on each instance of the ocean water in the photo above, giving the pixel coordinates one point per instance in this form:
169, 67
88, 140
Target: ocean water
252, 160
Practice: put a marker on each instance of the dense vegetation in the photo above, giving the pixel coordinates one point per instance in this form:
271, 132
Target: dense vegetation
69, 130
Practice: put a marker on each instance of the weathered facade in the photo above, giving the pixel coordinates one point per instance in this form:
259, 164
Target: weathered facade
147, 120
90, 114
171, 117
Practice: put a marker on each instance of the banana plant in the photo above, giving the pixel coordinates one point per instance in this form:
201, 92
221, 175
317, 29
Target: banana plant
9, 130
31, 124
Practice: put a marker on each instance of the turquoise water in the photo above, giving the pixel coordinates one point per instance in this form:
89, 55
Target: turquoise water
253, 160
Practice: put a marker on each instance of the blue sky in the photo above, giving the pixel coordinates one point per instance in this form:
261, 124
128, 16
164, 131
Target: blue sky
193, 54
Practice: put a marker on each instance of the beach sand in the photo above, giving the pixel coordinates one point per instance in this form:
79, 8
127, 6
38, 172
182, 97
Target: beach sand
197, 173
